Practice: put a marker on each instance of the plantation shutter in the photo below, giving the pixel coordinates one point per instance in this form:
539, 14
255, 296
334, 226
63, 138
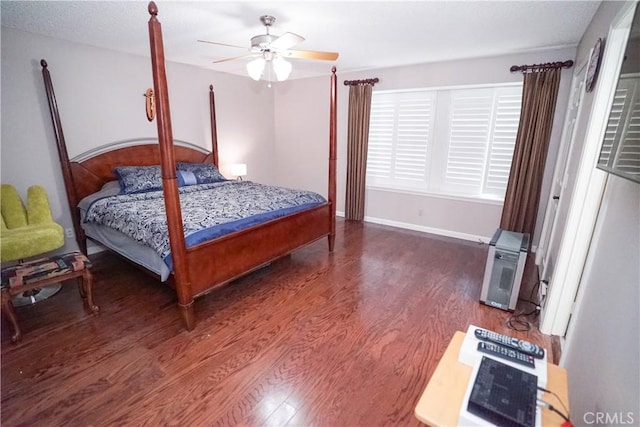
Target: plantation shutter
482, 134
501, 146
400, 133
465, 149
623, 128
629, 159
469, 130
621, 100
381, 136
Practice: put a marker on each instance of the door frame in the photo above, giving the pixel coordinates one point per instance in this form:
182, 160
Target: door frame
550, 226
590, 182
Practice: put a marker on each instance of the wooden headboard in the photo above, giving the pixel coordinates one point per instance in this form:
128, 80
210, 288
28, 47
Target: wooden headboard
91, 172
88, 172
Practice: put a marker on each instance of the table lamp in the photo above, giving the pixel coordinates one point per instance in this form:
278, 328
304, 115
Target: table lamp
239, 170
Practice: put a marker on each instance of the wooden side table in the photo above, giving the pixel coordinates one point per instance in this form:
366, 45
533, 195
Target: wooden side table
443, 397
42, 272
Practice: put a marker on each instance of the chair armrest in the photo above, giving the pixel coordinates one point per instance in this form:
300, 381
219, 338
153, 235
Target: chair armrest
38, 209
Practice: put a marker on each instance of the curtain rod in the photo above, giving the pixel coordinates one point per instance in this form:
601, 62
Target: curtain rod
546, 65
371, 82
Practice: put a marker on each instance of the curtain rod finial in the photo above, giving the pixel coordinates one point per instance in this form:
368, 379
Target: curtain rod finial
153, 9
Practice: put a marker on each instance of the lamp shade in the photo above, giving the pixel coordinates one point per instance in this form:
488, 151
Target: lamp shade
255, 68
239, 169
282, 68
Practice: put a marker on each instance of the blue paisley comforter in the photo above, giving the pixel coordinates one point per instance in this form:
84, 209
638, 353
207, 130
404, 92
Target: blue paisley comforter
208, 211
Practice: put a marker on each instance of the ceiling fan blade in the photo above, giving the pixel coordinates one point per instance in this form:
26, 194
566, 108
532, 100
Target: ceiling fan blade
285, 41
223, 44
310, 54
233, 58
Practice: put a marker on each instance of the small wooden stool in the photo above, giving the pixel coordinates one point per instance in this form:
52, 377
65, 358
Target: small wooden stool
42, 272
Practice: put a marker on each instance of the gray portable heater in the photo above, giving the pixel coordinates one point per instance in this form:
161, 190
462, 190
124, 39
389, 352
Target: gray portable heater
504, 269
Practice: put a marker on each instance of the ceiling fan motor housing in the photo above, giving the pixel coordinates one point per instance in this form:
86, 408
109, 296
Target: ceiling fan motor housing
261, 41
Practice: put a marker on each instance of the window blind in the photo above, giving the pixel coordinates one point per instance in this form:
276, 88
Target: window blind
620, 104
400, 132
629, 158
502, 143
454, 141
469, 131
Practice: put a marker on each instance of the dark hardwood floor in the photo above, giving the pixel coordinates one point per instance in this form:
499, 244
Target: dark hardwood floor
343, 339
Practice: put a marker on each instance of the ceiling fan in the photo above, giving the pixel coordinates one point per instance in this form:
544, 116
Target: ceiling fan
268, 48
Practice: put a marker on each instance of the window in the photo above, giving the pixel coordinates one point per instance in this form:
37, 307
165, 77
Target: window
620, 152
400, 132
447, 141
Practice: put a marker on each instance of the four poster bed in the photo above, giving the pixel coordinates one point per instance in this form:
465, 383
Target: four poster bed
197, 265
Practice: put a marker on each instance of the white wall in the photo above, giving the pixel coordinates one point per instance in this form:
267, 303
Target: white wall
301, 141
301, 117
99, 94
602, 354
602, 350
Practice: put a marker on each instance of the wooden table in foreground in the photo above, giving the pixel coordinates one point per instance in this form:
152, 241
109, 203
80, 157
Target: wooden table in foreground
440, 402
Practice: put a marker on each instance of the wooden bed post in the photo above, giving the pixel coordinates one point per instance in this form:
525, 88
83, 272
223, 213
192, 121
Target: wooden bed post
72, 199
169, 179
332, 158
214, 130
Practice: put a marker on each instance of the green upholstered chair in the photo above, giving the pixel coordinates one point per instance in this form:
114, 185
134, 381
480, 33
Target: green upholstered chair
27, 231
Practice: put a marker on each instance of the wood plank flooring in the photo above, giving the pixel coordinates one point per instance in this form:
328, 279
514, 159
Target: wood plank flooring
342, 339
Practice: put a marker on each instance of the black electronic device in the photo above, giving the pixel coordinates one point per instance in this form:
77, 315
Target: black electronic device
504, 269
515, 343
503, 395
506, 353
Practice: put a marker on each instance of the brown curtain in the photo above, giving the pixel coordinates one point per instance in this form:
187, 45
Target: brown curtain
358, 142
522, 197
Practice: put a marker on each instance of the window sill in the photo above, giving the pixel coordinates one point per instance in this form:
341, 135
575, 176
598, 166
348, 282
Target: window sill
473, 199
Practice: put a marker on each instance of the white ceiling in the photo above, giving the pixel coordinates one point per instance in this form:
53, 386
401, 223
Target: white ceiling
367, 34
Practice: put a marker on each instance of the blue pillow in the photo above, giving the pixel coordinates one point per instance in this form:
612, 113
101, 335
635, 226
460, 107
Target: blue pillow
139, 179
186, 178
203, 173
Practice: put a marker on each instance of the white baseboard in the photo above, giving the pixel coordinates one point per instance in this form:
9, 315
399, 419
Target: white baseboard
425, 229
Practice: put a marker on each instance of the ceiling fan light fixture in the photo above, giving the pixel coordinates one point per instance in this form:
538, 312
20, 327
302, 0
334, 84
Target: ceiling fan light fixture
282, 68
255, 68
268, 48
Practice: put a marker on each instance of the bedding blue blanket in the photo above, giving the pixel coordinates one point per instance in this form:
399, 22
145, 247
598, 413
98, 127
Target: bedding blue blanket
208, 211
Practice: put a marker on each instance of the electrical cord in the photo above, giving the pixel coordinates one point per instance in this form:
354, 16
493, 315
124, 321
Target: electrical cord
567, 421
528, 302
534, 289
516, 322
557, 398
